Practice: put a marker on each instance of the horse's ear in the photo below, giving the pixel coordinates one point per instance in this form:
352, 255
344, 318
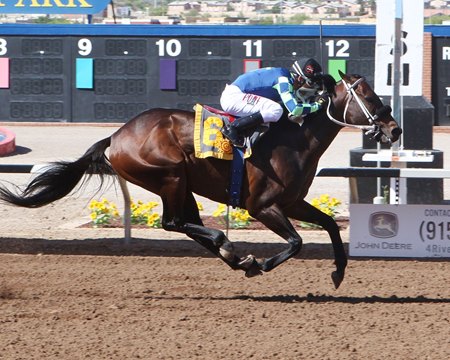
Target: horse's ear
343, 76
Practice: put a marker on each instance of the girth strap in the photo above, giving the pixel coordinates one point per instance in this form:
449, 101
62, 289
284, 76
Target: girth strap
237, 170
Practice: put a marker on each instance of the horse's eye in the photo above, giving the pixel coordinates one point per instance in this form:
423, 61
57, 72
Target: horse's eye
374, 100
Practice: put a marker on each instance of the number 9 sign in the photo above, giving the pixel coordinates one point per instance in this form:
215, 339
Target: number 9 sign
84, 47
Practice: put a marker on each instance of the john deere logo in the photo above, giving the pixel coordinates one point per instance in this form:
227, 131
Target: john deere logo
383, 224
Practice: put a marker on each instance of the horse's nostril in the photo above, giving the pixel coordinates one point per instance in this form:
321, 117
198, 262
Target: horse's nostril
396, 132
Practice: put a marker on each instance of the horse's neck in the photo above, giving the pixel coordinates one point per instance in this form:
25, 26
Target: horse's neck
320, 133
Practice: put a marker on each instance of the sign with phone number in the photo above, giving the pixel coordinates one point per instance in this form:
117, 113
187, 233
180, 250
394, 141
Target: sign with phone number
400, 230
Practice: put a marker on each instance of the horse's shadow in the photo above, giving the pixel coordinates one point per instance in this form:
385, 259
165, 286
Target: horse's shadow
315, 299
168, 248
149, 247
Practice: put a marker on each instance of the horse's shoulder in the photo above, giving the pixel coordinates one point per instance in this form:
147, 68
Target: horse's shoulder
285, 125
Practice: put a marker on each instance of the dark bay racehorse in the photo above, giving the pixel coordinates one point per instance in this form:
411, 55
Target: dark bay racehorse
155, 150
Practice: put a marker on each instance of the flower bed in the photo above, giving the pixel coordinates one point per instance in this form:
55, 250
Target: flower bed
105, 214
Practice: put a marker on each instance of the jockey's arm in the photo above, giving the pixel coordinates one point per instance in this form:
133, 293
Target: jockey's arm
287, 94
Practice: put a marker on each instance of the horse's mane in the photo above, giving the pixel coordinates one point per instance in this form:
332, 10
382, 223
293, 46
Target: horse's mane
373, 98
329, 83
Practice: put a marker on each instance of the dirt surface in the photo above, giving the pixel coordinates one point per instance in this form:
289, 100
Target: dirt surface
77, 293
83, 294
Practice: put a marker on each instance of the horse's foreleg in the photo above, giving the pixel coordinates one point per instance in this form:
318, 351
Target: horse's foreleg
306, 212
274, 219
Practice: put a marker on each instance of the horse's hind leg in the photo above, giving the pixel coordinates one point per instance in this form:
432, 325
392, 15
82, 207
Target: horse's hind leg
306, 212
190, 223
127, 208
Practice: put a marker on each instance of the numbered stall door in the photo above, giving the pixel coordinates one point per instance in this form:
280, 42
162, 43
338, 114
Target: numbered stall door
110, 78
34, 79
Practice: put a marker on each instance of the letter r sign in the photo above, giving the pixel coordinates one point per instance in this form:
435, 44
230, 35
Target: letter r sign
446, 53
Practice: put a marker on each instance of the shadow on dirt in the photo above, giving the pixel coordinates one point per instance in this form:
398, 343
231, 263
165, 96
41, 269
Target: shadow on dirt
169, 248
20, 150
319, 299
146, 247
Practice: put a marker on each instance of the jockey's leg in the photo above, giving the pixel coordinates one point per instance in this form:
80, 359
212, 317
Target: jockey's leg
234, 131
252, 110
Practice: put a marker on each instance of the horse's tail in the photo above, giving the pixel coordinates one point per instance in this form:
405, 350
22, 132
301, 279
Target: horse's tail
59, 178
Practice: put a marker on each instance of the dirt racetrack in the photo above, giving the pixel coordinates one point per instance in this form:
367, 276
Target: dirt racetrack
82, 295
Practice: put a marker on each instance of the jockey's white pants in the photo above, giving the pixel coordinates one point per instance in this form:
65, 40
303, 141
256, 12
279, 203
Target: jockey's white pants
237, 103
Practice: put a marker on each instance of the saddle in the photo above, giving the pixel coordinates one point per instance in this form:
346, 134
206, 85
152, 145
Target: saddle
208, 139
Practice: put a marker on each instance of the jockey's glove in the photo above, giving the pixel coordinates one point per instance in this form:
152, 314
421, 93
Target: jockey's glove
322, 100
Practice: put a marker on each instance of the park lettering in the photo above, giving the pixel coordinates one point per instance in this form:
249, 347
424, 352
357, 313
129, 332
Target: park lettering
50, 3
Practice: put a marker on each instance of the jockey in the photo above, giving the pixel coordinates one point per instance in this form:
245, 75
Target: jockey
255, 96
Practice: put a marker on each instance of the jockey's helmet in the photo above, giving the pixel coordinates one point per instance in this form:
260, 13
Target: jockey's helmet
310, 70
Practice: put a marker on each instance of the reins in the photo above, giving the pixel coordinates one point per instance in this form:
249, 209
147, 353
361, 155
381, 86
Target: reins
353, 95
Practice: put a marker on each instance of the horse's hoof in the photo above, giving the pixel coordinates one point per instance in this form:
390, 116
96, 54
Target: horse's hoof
253, 271
337, 278
227, 251
252, 266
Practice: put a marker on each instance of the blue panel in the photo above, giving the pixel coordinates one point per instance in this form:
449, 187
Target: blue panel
291, 31
84, 73
355, 30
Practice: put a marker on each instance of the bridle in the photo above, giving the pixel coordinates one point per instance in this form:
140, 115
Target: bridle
373, 128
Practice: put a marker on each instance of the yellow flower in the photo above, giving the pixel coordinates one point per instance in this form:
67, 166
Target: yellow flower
152, 204
217, 213
334, 202
326, 204
315, 202
220, 211
324, 198
154, 216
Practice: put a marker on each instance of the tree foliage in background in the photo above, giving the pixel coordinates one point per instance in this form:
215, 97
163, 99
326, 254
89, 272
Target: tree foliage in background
49, 20
297, 19
437, 19
143, 4
263, 21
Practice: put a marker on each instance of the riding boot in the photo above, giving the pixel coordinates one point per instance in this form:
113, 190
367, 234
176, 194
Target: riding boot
234, 131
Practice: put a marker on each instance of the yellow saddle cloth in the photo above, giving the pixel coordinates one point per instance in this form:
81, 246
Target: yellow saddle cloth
208, 140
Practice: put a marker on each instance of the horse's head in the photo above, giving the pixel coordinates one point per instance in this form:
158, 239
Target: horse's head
357, 105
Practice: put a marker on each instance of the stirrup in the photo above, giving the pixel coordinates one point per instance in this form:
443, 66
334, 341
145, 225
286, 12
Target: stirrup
233, 135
